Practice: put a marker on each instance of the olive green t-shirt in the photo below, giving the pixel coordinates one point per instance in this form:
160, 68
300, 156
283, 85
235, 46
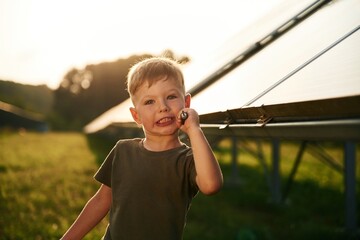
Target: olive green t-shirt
151, 191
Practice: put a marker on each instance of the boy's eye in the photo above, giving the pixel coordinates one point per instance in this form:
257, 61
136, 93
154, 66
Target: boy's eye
147, 102
172, 97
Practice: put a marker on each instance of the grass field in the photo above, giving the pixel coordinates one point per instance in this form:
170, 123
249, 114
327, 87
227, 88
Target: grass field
45, 180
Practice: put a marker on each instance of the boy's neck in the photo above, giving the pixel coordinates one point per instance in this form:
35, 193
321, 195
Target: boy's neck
161, 144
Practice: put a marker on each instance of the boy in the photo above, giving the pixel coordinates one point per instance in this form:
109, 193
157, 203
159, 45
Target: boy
148, 184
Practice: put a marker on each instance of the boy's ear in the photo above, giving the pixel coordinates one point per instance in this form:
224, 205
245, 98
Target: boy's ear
187, 100
135, 115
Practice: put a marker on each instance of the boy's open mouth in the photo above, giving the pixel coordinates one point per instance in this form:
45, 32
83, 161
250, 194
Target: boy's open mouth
165, 120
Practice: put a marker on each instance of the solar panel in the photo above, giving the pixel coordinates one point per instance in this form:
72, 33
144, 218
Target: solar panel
334, 74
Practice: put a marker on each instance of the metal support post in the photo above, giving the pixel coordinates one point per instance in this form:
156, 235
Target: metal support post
350, 187
276, 182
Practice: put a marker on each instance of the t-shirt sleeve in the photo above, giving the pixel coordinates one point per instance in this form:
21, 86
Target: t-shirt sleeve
103, 174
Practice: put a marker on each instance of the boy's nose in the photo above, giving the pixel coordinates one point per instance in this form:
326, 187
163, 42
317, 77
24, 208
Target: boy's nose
163, 106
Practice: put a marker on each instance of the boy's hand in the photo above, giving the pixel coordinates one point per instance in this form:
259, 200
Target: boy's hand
189, 121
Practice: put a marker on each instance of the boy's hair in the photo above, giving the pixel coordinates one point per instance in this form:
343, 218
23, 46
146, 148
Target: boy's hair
151, 70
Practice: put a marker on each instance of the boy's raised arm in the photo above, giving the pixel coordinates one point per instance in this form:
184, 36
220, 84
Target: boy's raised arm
93, 212
209, 176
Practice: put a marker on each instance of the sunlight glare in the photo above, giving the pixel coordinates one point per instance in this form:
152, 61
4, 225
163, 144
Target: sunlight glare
42, 40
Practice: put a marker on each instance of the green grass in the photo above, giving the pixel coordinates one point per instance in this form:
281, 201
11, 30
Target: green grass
45, 180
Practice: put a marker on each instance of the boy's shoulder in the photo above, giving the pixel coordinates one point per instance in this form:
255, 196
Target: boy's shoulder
128, 142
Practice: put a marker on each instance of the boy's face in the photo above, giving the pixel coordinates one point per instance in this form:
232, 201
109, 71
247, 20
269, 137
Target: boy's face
157, 107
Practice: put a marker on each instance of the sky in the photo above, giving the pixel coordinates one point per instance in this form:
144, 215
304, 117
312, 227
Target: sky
41, 40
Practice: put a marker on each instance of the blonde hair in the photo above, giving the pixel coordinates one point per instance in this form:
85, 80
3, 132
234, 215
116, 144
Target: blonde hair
151, 70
